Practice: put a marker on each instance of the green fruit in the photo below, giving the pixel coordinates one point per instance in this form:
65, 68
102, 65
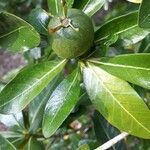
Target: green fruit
71, 36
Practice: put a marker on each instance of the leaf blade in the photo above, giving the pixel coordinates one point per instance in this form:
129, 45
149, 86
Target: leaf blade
15, 33
92, 6
27, 84
134, 68
116, 103
61, 103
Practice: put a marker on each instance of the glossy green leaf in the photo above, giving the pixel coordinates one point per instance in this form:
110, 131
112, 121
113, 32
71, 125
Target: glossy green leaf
61, 103
27, 85
39, 19
117, 101
134, 68
16, 34
5, 144
123, 27
92, 6
37, 106
144, 14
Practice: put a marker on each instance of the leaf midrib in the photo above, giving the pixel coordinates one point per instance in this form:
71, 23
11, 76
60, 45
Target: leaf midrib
13, 31
56, 6
29, 144
117, 100
39, 80
120, 65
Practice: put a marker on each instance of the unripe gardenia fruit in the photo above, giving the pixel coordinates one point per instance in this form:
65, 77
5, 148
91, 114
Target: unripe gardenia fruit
71, 36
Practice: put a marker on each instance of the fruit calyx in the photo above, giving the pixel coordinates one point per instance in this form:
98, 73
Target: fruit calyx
72, 35
64, 23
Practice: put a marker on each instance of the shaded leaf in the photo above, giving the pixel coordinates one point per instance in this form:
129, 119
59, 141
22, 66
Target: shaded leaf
134, 68
144, 14
27, 85
33, 144
37, 106
145, 45
124, 27
80, 5
5, 144
61, 103
17, 141
39, 19
105, 131
117, 101
16, 34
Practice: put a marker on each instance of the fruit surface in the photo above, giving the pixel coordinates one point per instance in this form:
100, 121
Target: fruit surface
71, 36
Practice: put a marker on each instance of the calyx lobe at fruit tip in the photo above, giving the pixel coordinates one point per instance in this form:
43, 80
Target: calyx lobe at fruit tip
64, 23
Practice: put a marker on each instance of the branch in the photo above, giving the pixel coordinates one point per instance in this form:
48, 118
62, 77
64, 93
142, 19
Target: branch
113, 141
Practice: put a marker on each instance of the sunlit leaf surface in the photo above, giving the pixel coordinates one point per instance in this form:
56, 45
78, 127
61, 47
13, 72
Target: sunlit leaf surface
117, 101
